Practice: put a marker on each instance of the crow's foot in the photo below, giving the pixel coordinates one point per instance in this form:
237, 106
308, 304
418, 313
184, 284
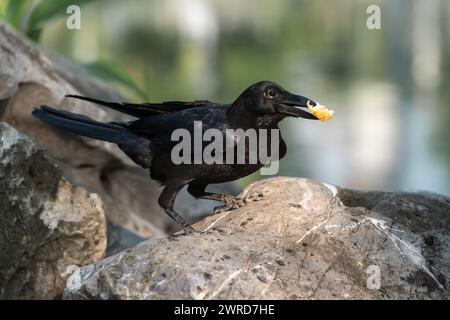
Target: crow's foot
232, 203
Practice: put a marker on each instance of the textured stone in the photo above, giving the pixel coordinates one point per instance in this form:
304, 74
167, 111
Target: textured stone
304, 240
47, 225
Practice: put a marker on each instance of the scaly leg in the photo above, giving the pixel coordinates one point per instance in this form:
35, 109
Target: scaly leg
167, 199
231, 203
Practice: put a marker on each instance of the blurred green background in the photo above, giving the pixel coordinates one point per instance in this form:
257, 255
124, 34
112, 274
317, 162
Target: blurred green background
389, 88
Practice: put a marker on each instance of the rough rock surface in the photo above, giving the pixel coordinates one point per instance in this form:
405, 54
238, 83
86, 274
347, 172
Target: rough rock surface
304, 240
30, 77
47, 225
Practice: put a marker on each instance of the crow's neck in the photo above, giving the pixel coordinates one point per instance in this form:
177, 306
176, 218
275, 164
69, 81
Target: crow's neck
241, 118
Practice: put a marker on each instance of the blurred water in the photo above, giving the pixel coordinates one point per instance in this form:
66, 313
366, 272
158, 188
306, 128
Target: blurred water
376, 141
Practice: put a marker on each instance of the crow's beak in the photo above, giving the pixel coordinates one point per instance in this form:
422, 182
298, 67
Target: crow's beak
290, 106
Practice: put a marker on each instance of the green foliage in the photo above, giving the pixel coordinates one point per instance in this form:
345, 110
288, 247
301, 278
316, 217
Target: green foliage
31, 16
14, 11
46, 11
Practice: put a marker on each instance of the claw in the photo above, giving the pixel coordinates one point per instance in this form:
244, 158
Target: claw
255, 196
188, 229
221, 209
232, 203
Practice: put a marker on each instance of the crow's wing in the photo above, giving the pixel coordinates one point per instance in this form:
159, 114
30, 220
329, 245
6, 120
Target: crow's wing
142, 110
159, 129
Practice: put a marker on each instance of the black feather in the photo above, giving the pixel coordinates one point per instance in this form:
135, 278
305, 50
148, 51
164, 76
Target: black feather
81, 125
147, 109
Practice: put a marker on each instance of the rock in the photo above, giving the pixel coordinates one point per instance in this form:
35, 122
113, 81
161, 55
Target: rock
120, 239
304, 240
47, 225
30, 77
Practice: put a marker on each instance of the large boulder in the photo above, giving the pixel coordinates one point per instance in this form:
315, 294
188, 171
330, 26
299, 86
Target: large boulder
304, 240
47, 225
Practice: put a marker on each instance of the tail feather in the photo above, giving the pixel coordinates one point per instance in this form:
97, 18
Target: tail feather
81, 125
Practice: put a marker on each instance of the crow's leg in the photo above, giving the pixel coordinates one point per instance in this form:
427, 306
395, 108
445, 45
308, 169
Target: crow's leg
167, 199
231, 203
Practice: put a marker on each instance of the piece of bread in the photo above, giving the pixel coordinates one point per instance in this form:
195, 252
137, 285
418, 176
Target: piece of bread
320, 111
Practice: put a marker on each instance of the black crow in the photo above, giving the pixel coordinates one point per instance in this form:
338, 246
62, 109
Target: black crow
148, 140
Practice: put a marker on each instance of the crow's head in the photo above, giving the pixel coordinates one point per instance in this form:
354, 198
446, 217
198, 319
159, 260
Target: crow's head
268, 98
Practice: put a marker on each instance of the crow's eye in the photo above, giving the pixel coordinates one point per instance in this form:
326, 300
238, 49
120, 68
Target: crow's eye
271, 93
